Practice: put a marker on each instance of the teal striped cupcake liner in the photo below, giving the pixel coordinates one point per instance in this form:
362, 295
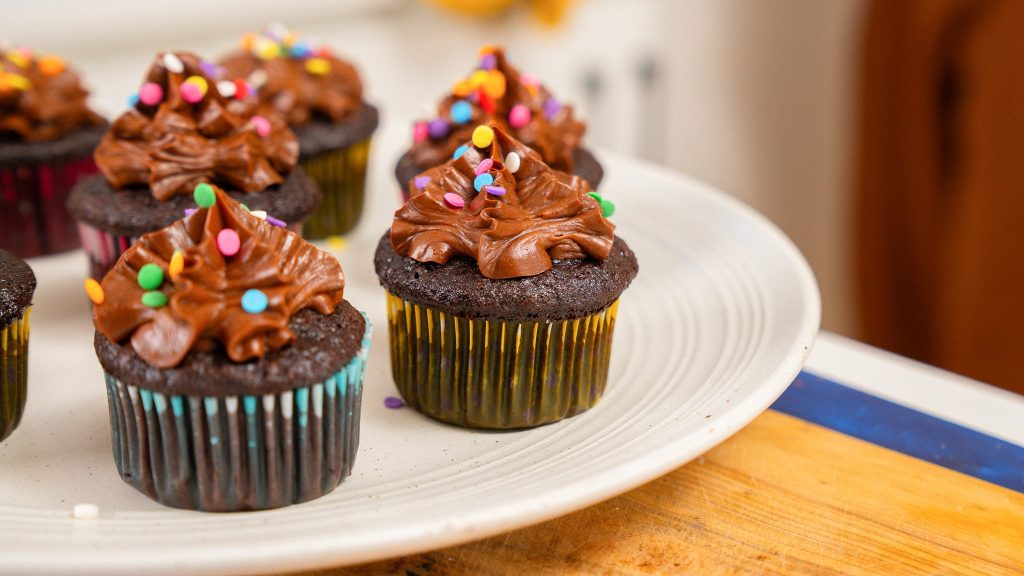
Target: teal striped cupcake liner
235, 453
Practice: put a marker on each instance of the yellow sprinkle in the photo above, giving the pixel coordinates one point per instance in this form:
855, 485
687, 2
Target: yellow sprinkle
176, 265
487, 49
477, 78
337, 243
268, 50
494, 85
318, 66
248, 41
94, 291
483, 136
462, 88
17, 58
19, 82
50, 65
289, 39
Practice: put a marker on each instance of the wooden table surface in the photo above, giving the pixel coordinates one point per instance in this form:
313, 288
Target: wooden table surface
782, 496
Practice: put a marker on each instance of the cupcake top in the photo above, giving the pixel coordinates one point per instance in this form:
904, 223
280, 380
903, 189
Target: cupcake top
497, 92
41, 97
223, 277
499, 203
302, 80
17, 284
183, 130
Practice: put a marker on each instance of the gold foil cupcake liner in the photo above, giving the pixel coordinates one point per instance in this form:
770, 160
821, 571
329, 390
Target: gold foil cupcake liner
13, 373
482, 373
341, 176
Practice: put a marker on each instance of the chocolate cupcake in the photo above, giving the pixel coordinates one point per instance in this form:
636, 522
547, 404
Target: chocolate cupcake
47, 136
17, 285
321, 97
233, 365
518, 103
181, 131
503, 279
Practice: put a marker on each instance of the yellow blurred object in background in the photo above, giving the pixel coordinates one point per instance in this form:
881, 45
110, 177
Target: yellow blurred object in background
549, 12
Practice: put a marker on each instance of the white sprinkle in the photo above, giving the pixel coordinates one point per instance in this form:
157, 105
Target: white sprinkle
257, 78
261, 214
173, 63
226, 88
85, 511
277, 31
512, 162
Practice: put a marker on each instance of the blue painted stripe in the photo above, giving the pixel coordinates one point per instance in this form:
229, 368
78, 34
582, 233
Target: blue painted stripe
903, 429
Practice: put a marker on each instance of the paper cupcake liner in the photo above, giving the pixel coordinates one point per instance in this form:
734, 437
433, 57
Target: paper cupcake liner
234, 453
481, 373
34, 219
341, 176
13, 373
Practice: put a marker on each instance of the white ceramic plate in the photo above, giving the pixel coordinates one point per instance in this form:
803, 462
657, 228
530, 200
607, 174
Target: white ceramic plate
719, 321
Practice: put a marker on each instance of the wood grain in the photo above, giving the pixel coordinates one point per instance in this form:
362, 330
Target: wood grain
781, 497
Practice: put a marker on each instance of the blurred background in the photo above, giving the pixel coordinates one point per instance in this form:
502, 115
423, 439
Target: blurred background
859, 128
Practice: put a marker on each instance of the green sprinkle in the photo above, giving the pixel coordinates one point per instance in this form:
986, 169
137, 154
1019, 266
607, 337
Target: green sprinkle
607, 206
154, 299
151, 277
204, 195
244, 207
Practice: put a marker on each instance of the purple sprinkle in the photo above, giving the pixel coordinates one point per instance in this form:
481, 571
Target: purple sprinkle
421, 182
489, 62
208, 68
190, 211
250, 89
275, 222
551, 107
437, 129
393, 402
496, 190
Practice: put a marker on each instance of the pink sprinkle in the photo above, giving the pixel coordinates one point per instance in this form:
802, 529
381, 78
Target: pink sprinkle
393, 402
495, 190
262, 125
421, 182
519, 116
420, 132
190, 92
453, 200
528, 80
190, 211
151, 94
483, 166
228, 242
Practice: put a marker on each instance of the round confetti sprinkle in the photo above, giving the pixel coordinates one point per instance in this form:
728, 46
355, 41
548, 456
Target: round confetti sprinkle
301, 50
50, 65
227, 88
262, 125
393, 402
461, 112
482, 180
421, 182
150, 277
257, 78
261, 214
151, 94
241, 88
528, 80
267, 50
18, 58
176, 265
190, 92
133, 100
190, 211
483, 136
254, 301
208, 68
512, 161
489, 62
519, 116
154, 299
318, 66
94, 291
420, 131
477, 78
607, 207
204, 195
483, 166
460, 151
173, 63
462, 88
551, 108
494, 86
495, 190
228, 242
437, 129
19, 82
200, 83
453, 200
275, 222
487, 104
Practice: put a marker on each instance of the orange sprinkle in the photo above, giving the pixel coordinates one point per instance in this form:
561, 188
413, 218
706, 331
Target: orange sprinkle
94, 291
176, 265
50, 65
494, 85
462, 88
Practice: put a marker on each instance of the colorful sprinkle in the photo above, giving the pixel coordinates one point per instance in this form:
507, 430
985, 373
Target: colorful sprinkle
519, 116
190, 92
461, 112
204, 195
262, 125
261, 214
301, 50
460, 151
133, 99
17, 81
200, 83
50, 65
257, 77
176, 265
18, 58
150, 277
462, 88
528, 80
420, 131
453, 200
477, 78
437, 129
487, 104
190, 211
228, 242
154, 299
227, 88
254, 301
393, 403
173, 63
267, 50
151, 94
94, 290
607, 207
495, 190
483, 166
512, 161
482, 180
337, 243
489, 62
275, 222
208, 68
241, 88
551, 108
483, 136
421, 182
318, 66
495, 84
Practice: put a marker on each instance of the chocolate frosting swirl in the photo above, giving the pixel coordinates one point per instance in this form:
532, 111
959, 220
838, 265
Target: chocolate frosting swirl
41, 98
302, 82
204, 299
174, 144
534, 215
552, 129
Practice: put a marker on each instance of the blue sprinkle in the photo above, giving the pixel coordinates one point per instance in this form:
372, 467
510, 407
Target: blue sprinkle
482, 180
460, 151
461, 112
254, 301
133, 100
